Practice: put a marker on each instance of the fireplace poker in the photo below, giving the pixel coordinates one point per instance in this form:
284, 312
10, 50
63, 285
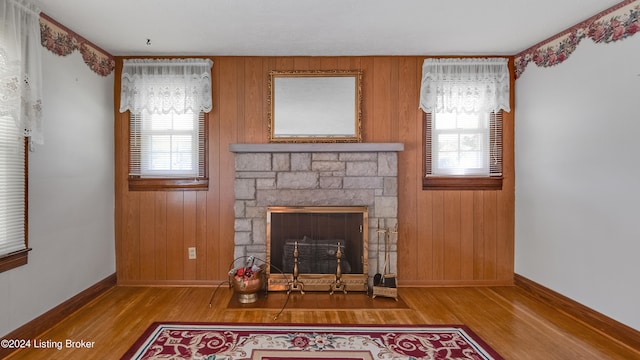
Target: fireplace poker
377, 278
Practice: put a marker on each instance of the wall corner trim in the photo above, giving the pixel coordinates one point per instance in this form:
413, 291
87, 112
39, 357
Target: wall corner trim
601, 323
37, 326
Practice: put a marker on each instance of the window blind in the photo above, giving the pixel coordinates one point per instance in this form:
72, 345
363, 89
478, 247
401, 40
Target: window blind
495, 154
12, 188
167, 145
458, 146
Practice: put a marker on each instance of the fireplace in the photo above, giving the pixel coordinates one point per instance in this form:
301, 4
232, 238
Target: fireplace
327, 176
317, 233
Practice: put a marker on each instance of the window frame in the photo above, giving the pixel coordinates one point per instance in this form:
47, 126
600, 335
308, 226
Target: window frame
457, 182
144, 183
20, 257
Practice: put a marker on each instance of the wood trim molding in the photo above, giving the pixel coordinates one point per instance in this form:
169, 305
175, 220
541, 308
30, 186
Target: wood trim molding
453, 283
138, 184
171, 283
14, 260
462, 183
401, 283
42, 323
609, 327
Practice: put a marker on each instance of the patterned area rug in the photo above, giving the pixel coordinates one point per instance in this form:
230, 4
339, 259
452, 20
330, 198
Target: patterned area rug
295, 341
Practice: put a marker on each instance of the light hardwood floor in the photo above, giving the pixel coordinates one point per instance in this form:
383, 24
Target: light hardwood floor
515, 325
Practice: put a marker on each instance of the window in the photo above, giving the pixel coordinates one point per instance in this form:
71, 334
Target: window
463, 100
13, 196
168, 101
167, 151
20, 122
463, 151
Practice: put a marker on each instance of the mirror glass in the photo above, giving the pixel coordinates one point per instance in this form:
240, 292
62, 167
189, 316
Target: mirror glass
315, 106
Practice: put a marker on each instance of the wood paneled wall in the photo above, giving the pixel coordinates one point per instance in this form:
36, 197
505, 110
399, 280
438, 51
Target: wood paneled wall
447, 238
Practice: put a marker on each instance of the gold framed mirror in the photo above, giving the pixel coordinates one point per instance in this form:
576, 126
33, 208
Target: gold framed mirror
315, 106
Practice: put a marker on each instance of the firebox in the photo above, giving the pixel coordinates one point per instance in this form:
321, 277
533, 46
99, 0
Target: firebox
330, 241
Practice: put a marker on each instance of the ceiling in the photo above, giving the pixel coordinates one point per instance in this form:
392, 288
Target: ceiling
328, 27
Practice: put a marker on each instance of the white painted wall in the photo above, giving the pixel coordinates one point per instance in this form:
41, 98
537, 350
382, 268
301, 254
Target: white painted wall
577, 154
71, 195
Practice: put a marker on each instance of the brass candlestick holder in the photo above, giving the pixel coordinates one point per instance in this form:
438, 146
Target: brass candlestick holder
295, 284
338, 284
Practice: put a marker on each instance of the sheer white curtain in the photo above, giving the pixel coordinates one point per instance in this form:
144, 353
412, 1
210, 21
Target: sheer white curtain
166, 86
468, 85
21, 67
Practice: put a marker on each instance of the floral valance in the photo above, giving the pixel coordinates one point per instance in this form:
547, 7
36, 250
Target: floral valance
465, 85
61, 41
166, 85
614, 24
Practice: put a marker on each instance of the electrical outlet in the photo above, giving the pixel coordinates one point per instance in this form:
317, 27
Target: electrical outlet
192, 253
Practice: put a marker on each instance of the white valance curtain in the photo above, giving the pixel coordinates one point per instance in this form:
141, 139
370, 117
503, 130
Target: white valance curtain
164, 86
21, 67
465, 85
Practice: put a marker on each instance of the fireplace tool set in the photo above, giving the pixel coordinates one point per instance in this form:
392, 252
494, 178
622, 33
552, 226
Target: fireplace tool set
385, 284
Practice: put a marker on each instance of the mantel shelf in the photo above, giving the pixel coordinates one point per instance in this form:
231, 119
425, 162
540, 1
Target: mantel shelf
316, 147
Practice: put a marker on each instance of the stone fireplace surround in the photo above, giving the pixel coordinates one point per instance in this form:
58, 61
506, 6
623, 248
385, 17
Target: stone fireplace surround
314, 174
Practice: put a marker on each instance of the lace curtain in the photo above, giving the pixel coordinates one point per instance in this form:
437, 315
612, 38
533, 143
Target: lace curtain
21, 67
164, 86
465, 85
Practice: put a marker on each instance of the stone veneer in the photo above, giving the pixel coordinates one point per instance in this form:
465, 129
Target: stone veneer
342, 174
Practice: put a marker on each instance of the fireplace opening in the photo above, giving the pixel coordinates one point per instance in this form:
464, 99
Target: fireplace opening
317, 232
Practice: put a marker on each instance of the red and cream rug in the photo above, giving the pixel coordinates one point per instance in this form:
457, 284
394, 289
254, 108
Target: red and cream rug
228, 341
